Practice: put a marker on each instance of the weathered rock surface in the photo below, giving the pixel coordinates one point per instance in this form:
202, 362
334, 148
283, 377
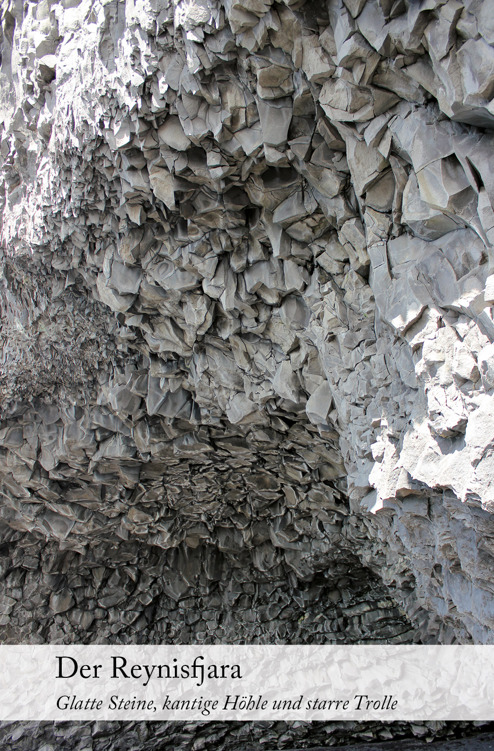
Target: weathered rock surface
247, 328
236, 736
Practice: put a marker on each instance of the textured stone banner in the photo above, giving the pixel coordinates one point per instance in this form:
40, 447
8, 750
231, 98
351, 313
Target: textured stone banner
247, 683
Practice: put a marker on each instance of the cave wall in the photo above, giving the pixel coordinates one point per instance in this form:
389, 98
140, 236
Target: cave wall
246, 320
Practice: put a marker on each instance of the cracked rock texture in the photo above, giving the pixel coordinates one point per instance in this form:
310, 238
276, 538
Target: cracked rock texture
247, 336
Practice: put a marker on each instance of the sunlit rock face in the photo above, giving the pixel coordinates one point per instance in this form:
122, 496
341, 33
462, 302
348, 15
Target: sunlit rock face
247, 358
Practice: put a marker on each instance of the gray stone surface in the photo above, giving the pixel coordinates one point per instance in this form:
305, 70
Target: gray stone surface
482, 742
246, 324
236, 736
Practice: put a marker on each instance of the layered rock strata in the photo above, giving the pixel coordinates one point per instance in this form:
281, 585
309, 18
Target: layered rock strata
247, 333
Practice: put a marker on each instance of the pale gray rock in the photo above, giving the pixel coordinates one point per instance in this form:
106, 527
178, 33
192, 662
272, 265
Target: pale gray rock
163, 186
116, 301
246, 304
171, 134
275, 117
486, 365
424, 220
62, 601
319, 404
345, 101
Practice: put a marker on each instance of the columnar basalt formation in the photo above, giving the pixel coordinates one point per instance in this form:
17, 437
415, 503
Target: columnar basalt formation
247, 335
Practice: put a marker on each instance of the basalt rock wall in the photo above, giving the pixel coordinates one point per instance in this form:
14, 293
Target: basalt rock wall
247, 359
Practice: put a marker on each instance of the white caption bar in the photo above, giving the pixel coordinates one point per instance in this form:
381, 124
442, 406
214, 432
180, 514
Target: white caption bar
247, 683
